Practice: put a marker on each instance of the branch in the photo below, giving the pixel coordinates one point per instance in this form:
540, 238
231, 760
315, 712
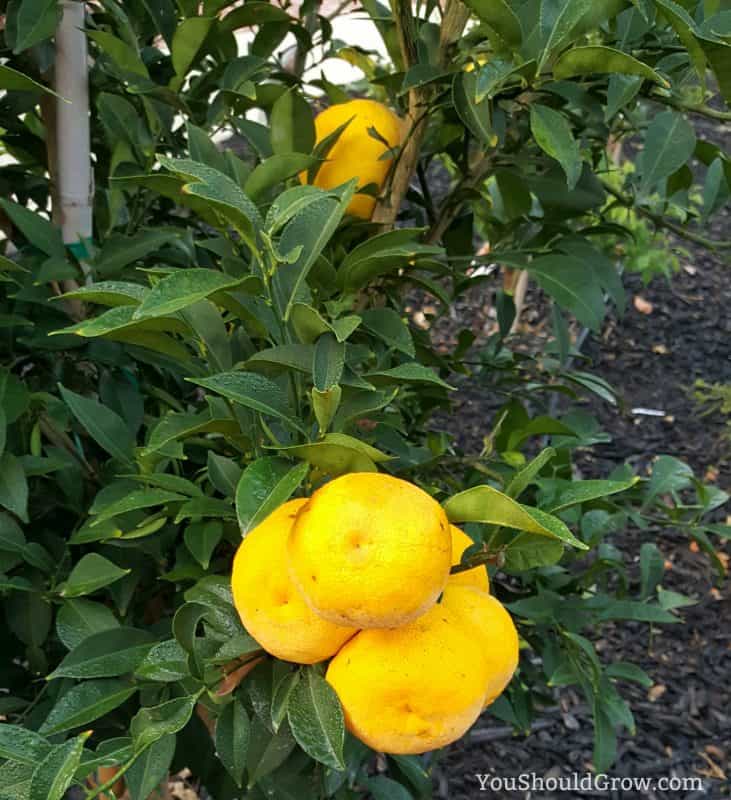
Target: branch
455, 18
663, 222
700, 108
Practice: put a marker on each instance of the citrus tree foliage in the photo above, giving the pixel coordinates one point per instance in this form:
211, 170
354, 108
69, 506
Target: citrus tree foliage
240, 340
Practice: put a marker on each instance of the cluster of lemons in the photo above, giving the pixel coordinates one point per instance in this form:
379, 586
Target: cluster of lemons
359, 573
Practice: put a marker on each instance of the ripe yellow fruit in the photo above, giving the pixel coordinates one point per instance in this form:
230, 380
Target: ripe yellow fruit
411, 689
486, 621
477, 576
357, 153
271, 608
370, 551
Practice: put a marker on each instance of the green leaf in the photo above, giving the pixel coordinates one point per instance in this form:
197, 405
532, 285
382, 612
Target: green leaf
106, 654
499, 15
150, 769
14, 81
718, 54
668, 475
602, 60
325, 405
165, 661
635, 610
187, 40
568, 16
275, 170
586, 491
624, 671
669, 143
328, 362
220, 192
291, 124
53, 776
22, 745
311, 228
554, 136
388, 325
477, 117
573, 286
13, 486
522, 479
12, 538
201, 539
412, 372
652, 568
233, 731
605, 738
91, 572
41, 233
109, 293
104, 426
136, 500
125, 57
86, 702
309, 324
32, 21
337, 453
265, 484
316, 719
79, 619
529, 551
383, 788
253, 391
182, 289
487, 505
153, 723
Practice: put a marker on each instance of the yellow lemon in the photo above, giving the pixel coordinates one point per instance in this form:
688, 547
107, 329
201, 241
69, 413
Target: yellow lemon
414, 688
269, 604
357, 153
486, 621
477, 576
370, 551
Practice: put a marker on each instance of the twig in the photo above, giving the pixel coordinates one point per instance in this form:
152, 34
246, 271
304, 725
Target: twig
700, 108
662, 222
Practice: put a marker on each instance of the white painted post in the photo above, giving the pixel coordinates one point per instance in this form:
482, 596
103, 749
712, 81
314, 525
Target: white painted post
74, 177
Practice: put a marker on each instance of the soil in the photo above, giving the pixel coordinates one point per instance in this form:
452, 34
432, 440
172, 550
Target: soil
683, 723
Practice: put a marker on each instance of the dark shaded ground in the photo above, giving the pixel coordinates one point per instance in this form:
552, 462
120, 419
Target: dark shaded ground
684, 721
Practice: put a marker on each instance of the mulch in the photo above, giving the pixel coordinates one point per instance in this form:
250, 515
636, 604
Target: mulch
683, 723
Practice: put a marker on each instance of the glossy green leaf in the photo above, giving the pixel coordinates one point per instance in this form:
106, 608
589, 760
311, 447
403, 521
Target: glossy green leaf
187, 40
412, 372
181, 289
529, 550
487, 505
265, 484
37, 230
553, 135
292, 126
150, 769
23, 745
152, 723
165, 662
233, 730
388, 325
337, 453
253, 391
31, 22
316, 719
79, 619
106, 654
86, 702
201, 539
13, 486
104, 426
275, 170
499, 15
91, 572
53, 776
599, 59
14, 81
669, 143
572, 284
136, 500
328, 362
586, 491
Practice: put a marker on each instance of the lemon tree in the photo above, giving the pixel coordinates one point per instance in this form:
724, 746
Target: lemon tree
230, 345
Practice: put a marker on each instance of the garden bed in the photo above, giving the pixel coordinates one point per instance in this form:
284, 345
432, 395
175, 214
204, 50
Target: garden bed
683, 722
